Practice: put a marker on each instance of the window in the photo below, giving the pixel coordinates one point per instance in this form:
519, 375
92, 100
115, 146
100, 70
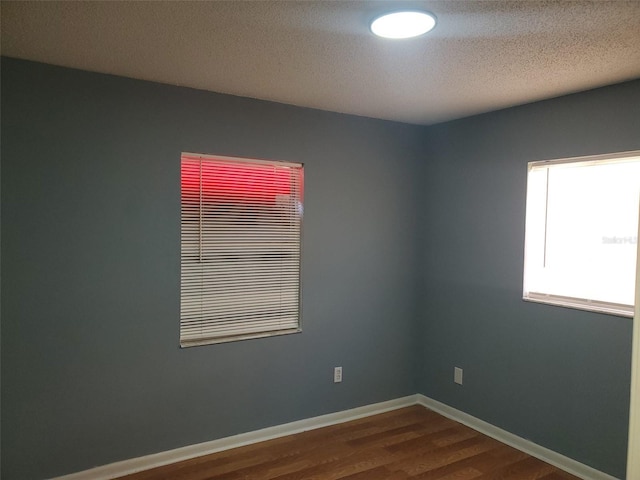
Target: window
241, 240
582, 231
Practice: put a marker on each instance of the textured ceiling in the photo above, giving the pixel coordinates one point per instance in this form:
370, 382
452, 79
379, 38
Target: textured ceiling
482, 55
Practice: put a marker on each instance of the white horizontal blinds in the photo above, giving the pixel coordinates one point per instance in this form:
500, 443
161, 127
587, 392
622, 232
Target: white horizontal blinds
241, 230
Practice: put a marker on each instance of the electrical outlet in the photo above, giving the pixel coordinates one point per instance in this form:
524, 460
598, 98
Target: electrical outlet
457, 375
337, 374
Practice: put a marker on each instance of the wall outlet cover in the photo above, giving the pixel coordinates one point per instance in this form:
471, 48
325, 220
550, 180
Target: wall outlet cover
457, 375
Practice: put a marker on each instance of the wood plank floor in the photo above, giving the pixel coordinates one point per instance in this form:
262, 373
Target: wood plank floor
410, 443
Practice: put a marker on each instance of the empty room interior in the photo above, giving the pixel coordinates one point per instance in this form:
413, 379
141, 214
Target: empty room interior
410, 211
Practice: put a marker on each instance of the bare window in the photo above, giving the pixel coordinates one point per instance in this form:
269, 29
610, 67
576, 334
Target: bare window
582, 232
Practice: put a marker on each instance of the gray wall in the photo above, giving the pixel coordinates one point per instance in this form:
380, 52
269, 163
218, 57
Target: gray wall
556, 376
413, 249
91, 369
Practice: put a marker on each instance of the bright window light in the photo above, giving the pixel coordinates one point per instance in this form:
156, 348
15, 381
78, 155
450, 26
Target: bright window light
403, 24
582, 232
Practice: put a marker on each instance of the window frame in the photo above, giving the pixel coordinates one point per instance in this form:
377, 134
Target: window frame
592, 305
296, 179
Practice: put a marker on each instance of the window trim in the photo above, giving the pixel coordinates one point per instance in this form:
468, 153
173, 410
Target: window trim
184, 343
591, 305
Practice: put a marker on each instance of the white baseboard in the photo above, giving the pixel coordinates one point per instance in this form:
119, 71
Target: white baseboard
134, 465
549, 456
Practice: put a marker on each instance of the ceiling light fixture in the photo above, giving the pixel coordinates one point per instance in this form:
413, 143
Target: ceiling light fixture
405, 24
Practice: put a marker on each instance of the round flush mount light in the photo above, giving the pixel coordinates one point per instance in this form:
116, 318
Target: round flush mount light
405, 24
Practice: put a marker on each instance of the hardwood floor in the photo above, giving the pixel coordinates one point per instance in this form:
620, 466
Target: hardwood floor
410, 443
